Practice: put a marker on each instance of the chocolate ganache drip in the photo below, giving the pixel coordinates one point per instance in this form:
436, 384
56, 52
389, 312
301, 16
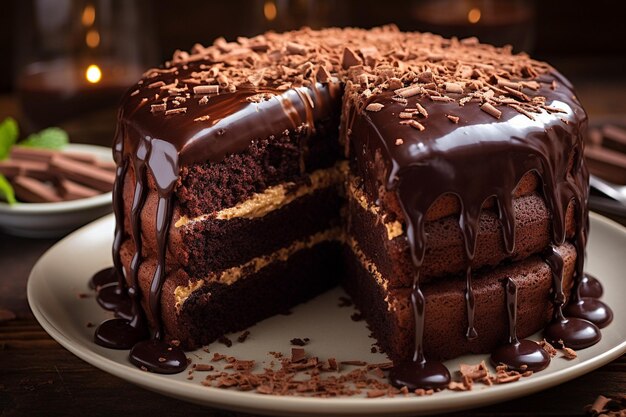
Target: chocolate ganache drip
518, 355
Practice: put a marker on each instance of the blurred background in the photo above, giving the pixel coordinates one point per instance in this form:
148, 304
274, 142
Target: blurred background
66, 62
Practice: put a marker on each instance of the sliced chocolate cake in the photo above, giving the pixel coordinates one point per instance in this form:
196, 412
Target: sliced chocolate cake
440, 181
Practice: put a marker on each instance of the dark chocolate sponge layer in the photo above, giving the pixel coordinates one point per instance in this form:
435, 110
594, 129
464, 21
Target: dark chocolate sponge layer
445, 253
446, 317
216, 308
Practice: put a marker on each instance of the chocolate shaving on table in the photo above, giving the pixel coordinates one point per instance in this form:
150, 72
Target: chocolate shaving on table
607, 407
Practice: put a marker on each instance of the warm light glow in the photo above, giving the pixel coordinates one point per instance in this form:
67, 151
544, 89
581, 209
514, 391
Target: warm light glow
89, 15
269, 10
474, 15
93, 74
93, 38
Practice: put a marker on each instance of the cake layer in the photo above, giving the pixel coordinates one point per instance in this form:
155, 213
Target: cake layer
197, 312
210, 186
384, 240
233, 235
389, 312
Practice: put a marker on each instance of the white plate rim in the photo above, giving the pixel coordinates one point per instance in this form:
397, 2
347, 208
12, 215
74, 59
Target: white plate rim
287, 405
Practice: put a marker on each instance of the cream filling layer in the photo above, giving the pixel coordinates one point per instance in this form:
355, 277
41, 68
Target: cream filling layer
394, 228
275, 197
370, 267
232, 275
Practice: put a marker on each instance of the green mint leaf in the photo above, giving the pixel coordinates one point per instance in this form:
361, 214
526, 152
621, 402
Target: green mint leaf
51, 138
8, 136
6, 190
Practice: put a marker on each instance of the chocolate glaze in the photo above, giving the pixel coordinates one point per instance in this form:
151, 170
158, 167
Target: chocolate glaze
518, 355
590, 287
591, 309
121, 333
111, 297
419, 372
572, 332
158, 146
478, 159
101, 278
157, 356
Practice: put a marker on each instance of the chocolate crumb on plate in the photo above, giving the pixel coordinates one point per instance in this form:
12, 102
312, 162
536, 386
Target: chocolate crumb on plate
299, 342
548, 348
243, 336
225, 341
569, 353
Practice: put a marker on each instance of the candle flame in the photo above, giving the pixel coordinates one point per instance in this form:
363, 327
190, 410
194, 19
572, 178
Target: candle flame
474, 15
92, 39
93, 74
89, 15
269, 10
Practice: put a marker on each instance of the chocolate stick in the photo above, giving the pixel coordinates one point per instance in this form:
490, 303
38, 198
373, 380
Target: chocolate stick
85, 174
31, 190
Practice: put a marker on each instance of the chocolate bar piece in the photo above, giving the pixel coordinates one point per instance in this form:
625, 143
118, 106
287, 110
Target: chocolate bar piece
71, 190
31, 190
605, 153
85, 174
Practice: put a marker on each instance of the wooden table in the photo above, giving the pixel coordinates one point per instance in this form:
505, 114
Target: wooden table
39, 377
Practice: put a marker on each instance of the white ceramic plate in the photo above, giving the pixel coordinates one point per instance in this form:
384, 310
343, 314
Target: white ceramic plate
57, 219
65, 269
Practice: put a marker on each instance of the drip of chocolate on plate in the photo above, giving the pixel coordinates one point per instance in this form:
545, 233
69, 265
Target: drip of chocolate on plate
572, 332
518, 355
222, 118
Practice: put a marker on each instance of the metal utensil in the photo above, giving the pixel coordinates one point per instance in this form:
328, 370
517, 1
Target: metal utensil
614, 191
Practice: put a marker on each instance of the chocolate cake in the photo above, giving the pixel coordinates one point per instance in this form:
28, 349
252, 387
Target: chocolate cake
440, 181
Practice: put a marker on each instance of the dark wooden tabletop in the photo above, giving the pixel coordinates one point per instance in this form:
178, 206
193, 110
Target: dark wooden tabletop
38, 377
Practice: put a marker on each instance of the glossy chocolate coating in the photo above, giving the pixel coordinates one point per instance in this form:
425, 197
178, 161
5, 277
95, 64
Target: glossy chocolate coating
518, 355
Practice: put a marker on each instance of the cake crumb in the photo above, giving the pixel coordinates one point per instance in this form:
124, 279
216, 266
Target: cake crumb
225, 341
399, 141
299, 342
243, 336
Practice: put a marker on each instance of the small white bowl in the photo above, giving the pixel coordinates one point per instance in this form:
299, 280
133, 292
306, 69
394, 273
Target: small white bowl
46, 220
